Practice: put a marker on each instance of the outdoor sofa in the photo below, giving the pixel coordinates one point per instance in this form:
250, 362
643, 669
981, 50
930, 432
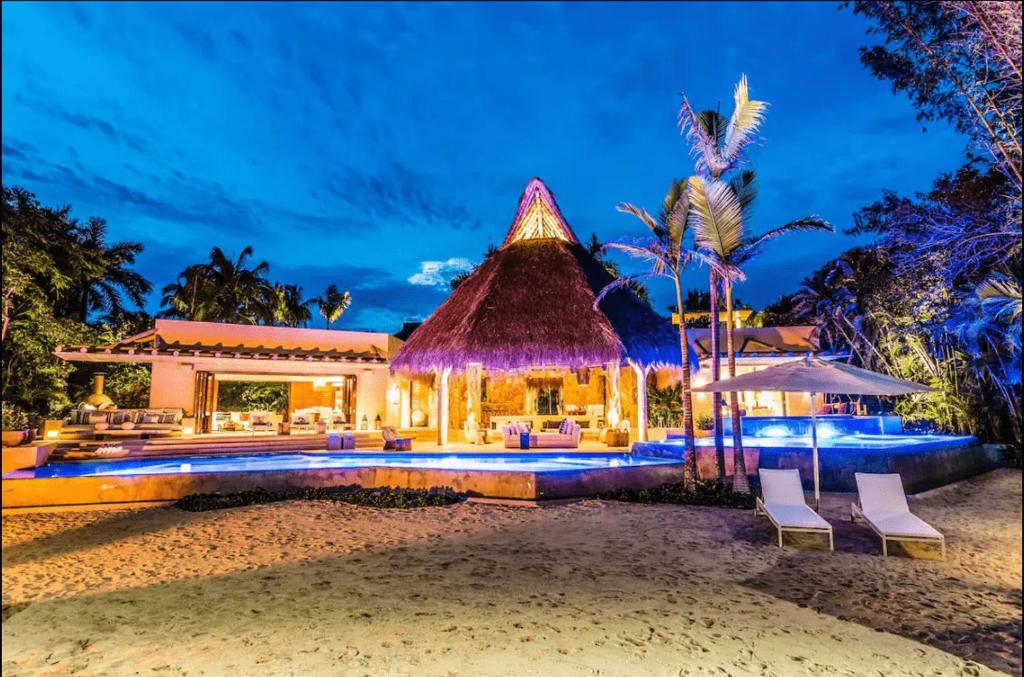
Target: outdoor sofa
566, 437
123, 422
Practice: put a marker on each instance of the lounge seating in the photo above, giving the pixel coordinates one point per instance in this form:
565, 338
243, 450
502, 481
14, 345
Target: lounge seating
883, 507
782, 502
393, 442
303, 423
566, 437
259, 421
122, 423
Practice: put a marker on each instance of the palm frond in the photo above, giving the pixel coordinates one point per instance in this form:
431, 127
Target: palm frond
747, 117
621, 282
703, 139
751, 247
715, 216
744, 185
640, 213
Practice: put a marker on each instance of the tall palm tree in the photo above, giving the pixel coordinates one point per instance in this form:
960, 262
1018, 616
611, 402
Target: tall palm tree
718, 147
332, 304
291, 309
669, 256
719, 217
222, 290
104, 278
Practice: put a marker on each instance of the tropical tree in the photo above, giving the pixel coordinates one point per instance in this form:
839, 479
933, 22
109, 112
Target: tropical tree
105, 279
719, 217
718, 146
291, 309
332, 304
57, 276
222, 290
668, 256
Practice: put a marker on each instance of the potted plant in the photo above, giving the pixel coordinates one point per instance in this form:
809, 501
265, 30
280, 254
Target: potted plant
705, 426
16, 428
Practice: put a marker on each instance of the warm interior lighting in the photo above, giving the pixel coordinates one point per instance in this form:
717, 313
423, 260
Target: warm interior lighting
52, 434
187, 431
319, 384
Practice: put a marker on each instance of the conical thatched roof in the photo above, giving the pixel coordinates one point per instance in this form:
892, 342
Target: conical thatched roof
531, 304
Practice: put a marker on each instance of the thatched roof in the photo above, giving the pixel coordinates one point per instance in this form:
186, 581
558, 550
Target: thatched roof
531, 304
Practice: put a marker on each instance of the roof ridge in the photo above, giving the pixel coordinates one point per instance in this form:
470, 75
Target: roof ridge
538, 216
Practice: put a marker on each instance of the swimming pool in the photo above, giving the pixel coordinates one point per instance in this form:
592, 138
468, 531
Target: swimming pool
534, 463
529, 477
923, 461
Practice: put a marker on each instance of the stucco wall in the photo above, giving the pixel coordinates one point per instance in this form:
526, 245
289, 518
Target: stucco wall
172, 385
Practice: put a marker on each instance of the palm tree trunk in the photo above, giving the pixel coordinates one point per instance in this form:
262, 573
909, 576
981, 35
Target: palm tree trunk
716, 373
690, 474
740, 482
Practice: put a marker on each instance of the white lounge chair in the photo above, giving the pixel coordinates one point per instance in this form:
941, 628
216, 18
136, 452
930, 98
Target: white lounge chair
782, 501
883, 506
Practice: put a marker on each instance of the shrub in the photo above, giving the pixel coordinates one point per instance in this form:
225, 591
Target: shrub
714, 493
385, 498
14, 418
705, 422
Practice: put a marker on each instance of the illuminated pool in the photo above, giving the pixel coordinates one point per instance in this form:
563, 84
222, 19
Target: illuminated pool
529, 477
923, 461
533, 463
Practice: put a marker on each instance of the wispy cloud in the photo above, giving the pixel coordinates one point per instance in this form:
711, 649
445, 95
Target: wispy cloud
439, 274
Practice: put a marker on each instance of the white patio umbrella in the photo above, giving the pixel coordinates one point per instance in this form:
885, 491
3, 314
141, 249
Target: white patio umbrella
814, 375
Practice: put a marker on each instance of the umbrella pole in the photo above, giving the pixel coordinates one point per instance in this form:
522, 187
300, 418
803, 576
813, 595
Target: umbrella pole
814, 453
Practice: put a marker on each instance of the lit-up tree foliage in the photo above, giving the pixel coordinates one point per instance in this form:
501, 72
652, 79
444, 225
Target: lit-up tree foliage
332, 304
668, 255
222, 290
718, 147
720, 215
931, 299
61, 280
721, 203
229, 290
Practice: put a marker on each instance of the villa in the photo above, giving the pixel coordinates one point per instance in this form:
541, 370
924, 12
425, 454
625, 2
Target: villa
521, 341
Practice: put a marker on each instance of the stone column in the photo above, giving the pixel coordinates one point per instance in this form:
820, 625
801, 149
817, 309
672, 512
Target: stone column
474, 407
613, 411
441, 377
641, 401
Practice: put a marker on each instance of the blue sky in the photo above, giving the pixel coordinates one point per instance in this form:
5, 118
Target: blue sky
382, 147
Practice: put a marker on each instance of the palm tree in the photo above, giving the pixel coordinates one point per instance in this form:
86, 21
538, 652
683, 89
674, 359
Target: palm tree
669, 257
718, 147
290, 308
104, 276
332, 304
719, 216
222, 290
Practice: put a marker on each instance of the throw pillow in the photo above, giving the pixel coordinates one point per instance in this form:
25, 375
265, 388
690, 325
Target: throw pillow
150, 418
127, 425
100, 426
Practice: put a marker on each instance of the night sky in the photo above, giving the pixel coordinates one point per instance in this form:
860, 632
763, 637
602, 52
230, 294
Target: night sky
382, 147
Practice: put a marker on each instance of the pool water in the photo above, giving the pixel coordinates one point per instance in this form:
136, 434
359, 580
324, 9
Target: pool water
531, 463
881, 442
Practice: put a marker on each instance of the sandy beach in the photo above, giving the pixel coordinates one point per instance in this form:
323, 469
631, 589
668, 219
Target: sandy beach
588, 588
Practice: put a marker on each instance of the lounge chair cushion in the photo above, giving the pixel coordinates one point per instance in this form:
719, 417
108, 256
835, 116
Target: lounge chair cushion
796, 516
903, 524
781, 487
881, 493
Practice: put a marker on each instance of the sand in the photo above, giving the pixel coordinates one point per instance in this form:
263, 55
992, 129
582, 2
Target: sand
589, 588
